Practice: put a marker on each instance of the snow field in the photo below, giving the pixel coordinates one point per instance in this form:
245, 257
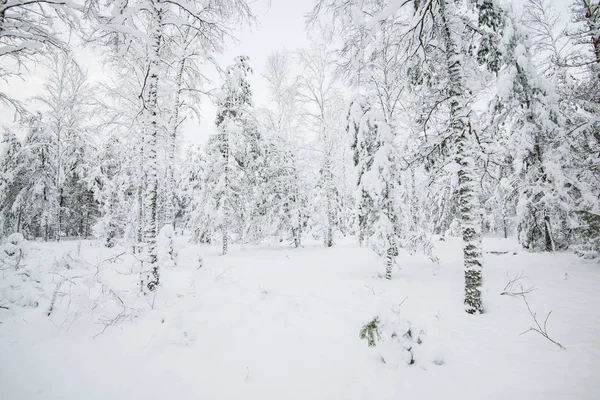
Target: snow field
273, 323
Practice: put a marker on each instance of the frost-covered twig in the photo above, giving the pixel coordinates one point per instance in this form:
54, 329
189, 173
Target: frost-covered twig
107, 322
514, 287
113, 258
542, 330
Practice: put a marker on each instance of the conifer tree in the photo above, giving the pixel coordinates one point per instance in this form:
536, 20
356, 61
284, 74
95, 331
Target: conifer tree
235, 98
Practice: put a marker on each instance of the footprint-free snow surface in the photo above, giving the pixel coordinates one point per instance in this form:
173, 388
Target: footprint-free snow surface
281, 323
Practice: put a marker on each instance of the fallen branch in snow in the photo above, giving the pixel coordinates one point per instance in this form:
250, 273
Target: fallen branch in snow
514, 287
113, 258
542, 330
107, 322
402, 302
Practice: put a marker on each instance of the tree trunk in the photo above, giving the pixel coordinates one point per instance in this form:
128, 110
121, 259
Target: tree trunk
389, 263
548, 234
150, 143
19, 221
327, 181
465, 158
392, 239
225, 204
58, 187
139, 229
59, 217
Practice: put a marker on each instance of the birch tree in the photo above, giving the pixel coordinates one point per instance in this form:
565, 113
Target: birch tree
283, 123
440, 32
321, 97
152, 24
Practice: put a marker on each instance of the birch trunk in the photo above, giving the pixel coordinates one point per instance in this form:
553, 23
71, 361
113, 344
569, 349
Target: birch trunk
465, 157
327, 181
225, 203
139, 229
150, 142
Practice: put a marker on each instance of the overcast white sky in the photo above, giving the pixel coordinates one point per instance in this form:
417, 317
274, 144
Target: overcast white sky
280, 25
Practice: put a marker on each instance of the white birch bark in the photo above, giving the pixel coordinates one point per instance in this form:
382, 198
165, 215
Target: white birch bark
465, 157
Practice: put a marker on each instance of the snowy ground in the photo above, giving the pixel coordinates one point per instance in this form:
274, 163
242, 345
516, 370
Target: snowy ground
279, 323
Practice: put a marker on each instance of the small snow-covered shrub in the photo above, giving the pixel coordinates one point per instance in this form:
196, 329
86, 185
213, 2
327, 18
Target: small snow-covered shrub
21, 288
371, 333
9, 250
17, 239
70, 285
399, 342
20, 284
12, 251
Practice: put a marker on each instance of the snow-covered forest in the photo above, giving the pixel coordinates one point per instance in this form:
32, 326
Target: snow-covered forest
408, 205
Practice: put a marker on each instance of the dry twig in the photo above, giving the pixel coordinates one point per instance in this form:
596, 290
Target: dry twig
514, 287
542, 330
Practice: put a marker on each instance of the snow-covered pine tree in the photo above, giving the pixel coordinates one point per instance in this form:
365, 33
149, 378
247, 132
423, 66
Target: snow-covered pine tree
537, 146
374, 158
111, 187
581, 99
363, 143
11, 181
66, 98
34, 192
234, 100
197, 186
